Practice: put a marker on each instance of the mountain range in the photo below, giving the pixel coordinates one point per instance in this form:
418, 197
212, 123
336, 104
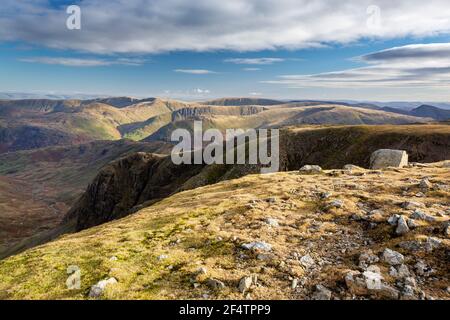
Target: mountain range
70, 168
30, 124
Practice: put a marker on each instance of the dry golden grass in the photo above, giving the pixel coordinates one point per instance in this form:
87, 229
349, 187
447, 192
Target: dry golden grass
206, 227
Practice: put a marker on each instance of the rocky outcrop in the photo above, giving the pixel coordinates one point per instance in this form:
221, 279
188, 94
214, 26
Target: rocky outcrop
127, 183
385, 158
334, 147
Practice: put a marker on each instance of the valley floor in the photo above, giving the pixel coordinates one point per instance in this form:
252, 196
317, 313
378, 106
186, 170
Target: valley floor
295, 236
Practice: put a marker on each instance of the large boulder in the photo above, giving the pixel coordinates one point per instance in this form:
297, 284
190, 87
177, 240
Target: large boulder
385, 158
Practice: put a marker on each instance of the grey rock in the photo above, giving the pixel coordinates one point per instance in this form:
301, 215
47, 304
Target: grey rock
367, 258
388, 292
402, 226
420, 215
245, 284
393, 219
272, 222
411, 205
257, 246
399, 272
408, 293
307, 261
385, 158
215, 284
311, 169
392, 257
321, 293
412, 224
425, 184
432, 243
98, 289
336, 204
422, 269
373, 279
325, 195
202, 270
351, 167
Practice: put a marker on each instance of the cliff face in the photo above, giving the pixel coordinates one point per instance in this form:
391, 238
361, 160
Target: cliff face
127, 183
334, 147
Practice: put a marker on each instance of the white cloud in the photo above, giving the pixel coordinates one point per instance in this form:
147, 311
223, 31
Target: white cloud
153, 26
81, 62
419, 65
201, 91
194, 71
252, 69
254, 61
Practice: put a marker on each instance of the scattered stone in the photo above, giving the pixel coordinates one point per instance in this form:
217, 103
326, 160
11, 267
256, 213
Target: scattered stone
400, 272
264, 257
402, 226
375, 216
113, 258
294, 283
351, 167
271, 200
321, 293
411, 205
392, 257
325, 195
336, 204
307, 261
257, 246
432, 243
420, 195
385, 158
272, 222
425, 184
388, 292
163, 257
367, 258
373, 279
410, 245
311, 169
412, 224
245, 284
355, 283
202, 270
419, 215
98, 289
215, 284
393, 220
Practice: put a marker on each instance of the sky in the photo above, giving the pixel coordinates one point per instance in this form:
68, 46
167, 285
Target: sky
196, 50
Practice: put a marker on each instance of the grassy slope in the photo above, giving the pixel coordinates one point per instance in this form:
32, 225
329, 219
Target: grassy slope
207, 220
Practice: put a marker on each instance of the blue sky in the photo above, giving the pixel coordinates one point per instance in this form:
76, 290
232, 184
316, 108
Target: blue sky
128, 51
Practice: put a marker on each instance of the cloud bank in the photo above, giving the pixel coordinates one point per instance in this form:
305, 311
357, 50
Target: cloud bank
154, 26
194, 71
419, 65
81, 62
